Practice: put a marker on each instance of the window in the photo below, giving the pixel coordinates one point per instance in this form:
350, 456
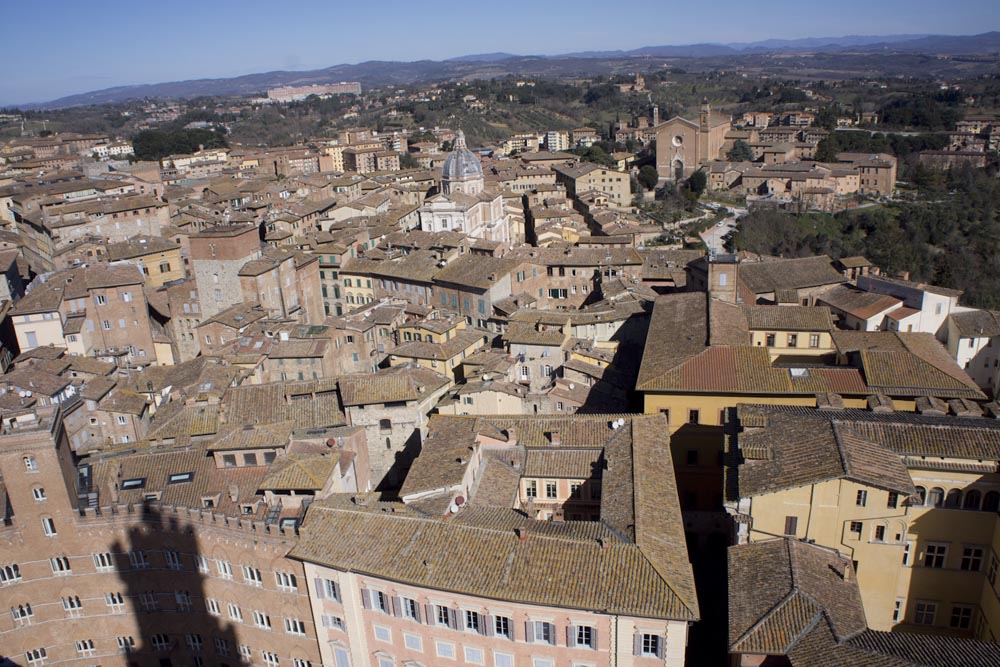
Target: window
106, 325
23, 612
9, 574
202, 563
991, 574
160, 642
446, 617
813, 340
125, 644
72, 605
327, 589
244, 650
907, 553
897, 610
299, 662
183, 600
936, 497
332, 622
769, 340
38, 493
972, 559
531, 489
645, 644
225, 569
49, 527
148, 601
925, 613
793, 340
60, 565
35, 656
375, 600
893, 501
212, 606
115, 601
235, 613
540, 632
961, 617
862, 498
294, 626
935, 555
85, 647
262, 620
99, 299
791, 525
445, 649
409, 608
879, 534
502, 627
221, 646
270, 658
856, 529
194, 642
503, 660
472, 621
413, 642
30, 464
551, 489
286, 581
581, 635
138, 559
385, 425
173, 559
474, 655
382, 633
693, 417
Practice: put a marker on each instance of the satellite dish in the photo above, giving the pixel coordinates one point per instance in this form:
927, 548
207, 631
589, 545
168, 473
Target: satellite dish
453, 509
459, 500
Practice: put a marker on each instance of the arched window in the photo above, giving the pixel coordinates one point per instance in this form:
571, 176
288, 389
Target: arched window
936, 497
921, 496
30, 464
991, 502
953, 500
972, 500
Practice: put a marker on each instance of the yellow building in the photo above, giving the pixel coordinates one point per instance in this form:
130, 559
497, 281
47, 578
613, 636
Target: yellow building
159, 258
910, 498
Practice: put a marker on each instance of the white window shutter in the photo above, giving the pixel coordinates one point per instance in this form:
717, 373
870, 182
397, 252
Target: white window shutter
637, 644
320, 593
529, 631
571, 636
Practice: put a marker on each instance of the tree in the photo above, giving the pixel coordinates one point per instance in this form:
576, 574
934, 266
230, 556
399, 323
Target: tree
697, 183
648, 177
407, 161
741, 152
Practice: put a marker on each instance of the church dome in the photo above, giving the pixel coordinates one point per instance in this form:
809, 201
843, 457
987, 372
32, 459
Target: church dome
461, 164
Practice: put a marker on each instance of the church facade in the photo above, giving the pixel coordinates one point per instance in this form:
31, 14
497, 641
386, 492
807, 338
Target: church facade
463, 203
683, 146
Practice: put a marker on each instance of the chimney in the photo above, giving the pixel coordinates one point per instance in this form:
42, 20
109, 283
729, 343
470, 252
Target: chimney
554, 438
847, 572
521, 533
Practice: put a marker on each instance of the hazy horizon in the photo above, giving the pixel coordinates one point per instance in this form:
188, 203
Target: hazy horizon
113, 43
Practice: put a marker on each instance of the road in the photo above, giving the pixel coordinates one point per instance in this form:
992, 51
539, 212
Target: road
712, 237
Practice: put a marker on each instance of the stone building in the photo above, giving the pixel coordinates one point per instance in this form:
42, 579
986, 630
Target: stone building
683, 146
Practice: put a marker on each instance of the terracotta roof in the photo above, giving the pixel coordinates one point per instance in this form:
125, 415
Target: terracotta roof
766, 277
443, 349
307, 405
477, 551
907, 364
929, 650
977, 323
780, 588
783, 450
563, 463
789, 318
250, 436
298, 473
411, 384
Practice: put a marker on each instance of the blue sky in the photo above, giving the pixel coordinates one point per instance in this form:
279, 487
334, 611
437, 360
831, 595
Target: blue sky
62, 47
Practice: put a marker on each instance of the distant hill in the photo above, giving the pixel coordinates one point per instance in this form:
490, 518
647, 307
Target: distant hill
375, 73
